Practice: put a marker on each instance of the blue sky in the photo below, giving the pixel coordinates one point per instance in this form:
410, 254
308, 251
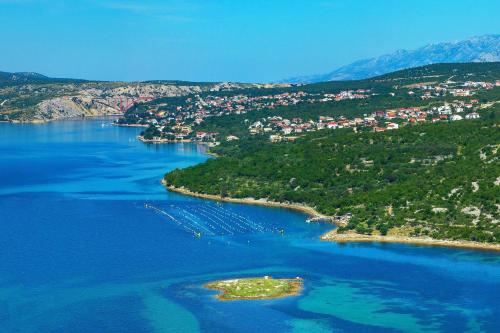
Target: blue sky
216, 40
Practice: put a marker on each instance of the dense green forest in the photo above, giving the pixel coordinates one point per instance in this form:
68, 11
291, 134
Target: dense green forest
441, 180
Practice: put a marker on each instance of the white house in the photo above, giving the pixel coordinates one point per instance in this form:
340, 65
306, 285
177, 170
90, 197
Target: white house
232, 138
473, 115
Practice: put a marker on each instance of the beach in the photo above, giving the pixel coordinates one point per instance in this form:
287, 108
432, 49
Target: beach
352, 237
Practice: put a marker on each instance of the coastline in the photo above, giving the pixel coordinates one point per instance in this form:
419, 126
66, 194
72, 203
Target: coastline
353, 237
166, 141
34, 121
46, 121
260, 202
130, 125
350, 237
141, 138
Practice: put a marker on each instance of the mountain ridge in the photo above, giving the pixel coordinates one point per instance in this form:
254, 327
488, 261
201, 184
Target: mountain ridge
15, 78
21, 76
484, 48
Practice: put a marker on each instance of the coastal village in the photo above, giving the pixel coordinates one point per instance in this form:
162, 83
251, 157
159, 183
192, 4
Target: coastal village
178, 121
288, 129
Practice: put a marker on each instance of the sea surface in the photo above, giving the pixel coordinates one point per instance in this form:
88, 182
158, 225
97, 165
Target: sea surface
91, 242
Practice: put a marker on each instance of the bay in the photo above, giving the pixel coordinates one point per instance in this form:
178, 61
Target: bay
90, 241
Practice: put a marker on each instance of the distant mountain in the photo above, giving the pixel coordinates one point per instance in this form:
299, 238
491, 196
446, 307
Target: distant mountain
6, 77
476, 49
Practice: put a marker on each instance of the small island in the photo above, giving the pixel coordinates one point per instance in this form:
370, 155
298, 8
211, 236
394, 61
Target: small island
255, 288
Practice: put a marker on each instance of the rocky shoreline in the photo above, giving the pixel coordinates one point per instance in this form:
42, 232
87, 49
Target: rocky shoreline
353, 237
33, 121
349, 237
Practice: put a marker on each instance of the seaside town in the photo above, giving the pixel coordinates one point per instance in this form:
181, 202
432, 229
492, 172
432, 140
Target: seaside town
284, 129
177, 120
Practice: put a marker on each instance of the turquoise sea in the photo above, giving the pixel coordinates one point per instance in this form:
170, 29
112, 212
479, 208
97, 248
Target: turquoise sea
91, 242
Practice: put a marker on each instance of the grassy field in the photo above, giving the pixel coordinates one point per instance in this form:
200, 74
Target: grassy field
255, 288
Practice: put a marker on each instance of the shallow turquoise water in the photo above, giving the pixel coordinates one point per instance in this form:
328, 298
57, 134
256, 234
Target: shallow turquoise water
91, 242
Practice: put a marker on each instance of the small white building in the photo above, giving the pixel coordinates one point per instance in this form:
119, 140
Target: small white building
473, 115
275, 138
232, 138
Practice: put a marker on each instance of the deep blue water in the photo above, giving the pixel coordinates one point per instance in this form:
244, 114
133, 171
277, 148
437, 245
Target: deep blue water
91, 242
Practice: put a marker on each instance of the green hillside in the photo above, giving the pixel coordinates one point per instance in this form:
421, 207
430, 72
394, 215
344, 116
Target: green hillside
484, 71
440, 180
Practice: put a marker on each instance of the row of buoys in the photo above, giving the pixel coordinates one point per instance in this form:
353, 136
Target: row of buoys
179, 223
242, 222
212, 220
249, 223
208, 227
227, 222
222, 224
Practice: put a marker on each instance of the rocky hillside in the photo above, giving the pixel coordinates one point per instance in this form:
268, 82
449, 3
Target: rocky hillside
31, 97
477, 49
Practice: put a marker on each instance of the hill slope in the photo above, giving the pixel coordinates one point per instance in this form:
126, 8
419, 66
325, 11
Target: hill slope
428, 178
431, 180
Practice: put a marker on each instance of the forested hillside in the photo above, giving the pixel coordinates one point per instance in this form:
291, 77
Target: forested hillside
441, 180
